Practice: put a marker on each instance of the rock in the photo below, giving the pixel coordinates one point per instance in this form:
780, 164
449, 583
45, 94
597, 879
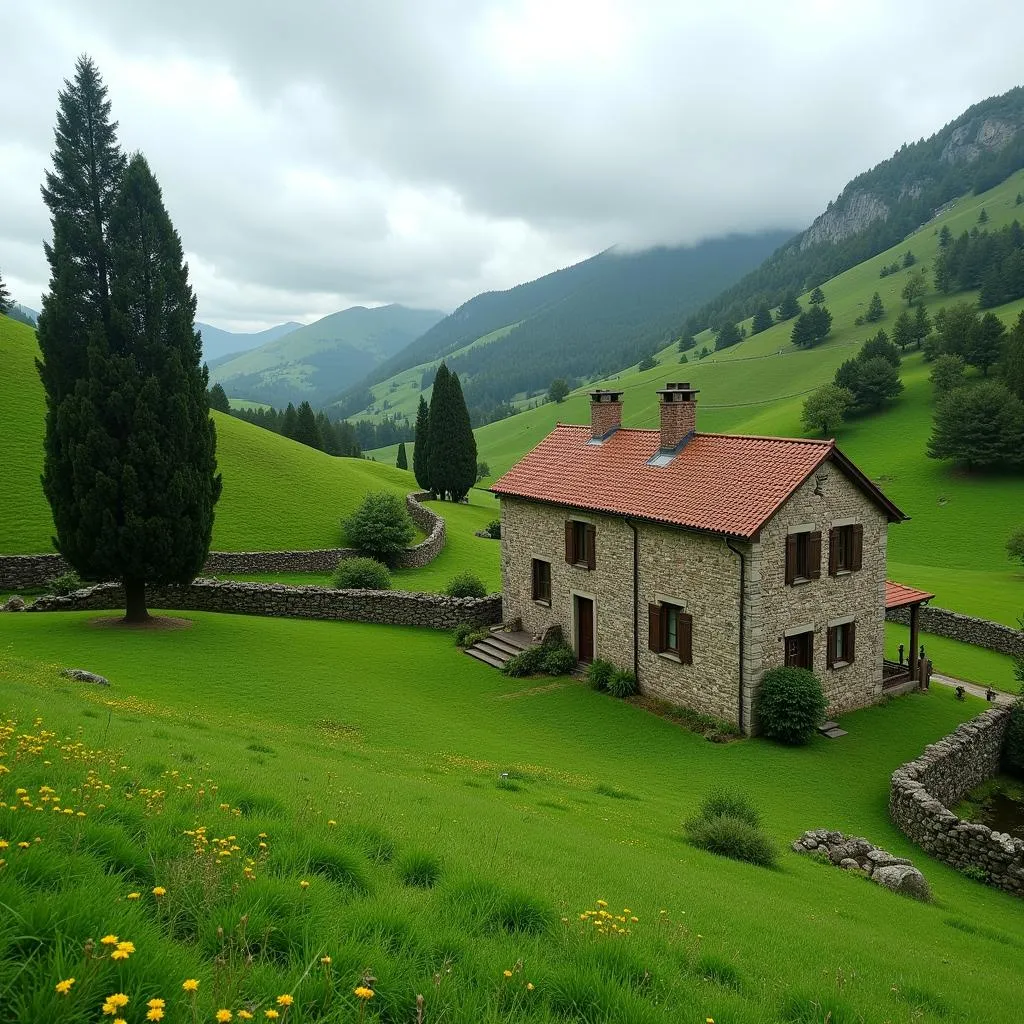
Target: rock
80, 675
13, 604
904, 879
849, 864
883, 859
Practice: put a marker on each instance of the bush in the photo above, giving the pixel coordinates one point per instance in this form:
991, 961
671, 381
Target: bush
622, 684
465, 584
529, 663
599, 674
380, 527
493, 529
732, 837
790, 704
466, 634
559, 659
67, 583
361, 574
726, 803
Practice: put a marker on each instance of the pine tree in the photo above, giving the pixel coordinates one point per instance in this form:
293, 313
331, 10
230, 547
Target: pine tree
328, 435
788, 308
727, 335
402, 460
464, 463
979, 426
306, 431
219, 399
817, 297
761, 322
1013, 359
875, 309
922, 325
945, 236
5, 297
138, 505
986, 345
903, 331
421, 442
289, 421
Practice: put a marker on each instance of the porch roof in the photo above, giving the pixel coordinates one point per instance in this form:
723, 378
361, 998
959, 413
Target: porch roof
899, 595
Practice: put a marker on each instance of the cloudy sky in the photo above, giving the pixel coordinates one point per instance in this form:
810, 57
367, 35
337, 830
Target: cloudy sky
322, 153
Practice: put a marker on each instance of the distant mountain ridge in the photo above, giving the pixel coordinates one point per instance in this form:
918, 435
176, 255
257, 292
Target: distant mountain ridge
316, 361
220, 345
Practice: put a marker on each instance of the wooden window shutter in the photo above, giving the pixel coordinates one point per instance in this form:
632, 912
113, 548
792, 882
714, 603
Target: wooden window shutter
814, 555
830, 646
654, 627
858, 547
591, 545
851, 633
686, 638
570, 546
790, 559
833, 551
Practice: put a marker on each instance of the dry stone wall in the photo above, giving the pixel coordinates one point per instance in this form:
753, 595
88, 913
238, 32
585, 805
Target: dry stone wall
387, 607
965, 628
18, 572
922, 791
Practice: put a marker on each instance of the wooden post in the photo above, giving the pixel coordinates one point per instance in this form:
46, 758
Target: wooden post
912, 658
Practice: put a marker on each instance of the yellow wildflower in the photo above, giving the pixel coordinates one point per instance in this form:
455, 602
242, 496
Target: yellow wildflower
602, 903
529, 986
325, 959
118, 999
190, 984
223, 1016
271, 1014
155, 1013
332, 823
508, 974
244, 1015
285, 1000
303, 884
362, 992
134, 895
119, 1020
119, 954
159, 890
64, 987
156, 1004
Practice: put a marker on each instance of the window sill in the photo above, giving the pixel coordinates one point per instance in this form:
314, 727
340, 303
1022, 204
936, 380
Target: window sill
800, 581
581, 565
673, 657
841, 664
843, 572
543, 604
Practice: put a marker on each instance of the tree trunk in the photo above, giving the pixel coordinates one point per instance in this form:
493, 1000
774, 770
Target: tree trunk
135, 601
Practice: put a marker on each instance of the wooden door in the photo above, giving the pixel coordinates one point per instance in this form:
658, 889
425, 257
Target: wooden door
585, 629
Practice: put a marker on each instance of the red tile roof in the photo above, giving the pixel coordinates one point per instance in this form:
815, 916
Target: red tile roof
899, 595
723, 483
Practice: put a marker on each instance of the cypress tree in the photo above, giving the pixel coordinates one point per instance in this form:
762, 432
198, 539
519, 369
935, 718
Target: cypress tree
463, 465
438, 430
139, 504
402, 462
306, 431
421, 444
5, 296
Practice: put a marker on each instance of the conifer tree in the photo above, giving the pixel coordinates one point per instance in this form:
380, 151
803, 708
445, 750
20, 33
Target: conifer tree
289, 421
306, 431
1013, 359
451, 446
421, 444
138, 505
464, 462
219, 399
761, 322
402, 461
328, 435
922, 325
5, 297
817, 297
875, 309
788, 308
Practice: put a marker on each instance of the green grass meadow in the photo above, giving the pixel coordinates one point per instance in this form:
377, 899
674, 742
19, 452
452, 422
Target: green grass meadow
370, 760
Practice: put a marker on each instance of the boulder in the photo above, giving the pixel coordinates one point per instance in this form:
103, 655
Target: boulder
904, 879
882, 859
849, 864
82, 676
13, 604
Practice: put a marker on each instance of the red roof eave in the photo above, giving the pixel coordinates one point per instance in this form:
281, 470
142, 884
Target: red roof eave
899, 595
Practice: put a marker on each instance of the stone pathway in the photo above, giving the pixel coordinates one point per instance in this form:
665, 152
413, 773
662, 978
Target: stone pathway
1002, 699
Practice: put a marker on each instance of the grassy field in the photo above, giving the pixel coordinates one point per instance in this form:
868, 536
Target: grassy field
368, 759
954, 543
278, 494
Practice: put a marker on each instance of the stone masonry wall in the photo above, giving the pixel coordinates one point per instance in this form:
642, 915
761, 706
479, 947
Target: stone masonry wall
390, 607
18, 572
922, 791
969, 630
779, 608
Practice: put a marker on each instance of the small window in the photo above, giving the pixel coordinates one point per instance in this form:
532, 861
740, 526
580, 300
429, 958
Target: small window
841, 643
800, 651
845, 544
542, 581
580, 544
671, 631
803, 557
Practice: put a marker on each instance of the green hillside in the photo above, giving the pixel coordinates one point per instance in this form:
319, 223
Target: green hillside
316, 362
277, 494
954, 543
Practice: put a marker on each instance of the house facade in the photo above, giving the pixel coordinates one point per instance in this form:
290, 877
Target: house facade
699, 561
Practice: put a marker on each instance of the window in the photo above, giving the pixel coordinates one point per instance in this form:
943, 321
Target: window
841, 640
803, 557
542, 581
580, 544
670, 631
845, 547
800, 650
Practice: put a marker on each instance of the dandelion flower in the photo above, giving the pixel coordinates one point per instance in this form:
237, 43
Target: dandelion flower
271, 1014
223, 1016
285, 1000
156, 1004
303, 884
709, 1020
190, 984
529, 986
119, 1020
110, 940
64, 987
332, 823
363, 992
602, 903
159, 890
134, 895
118, 999
155, 1013
325, 959
244, 1015
127, 947
508, 974
120, 954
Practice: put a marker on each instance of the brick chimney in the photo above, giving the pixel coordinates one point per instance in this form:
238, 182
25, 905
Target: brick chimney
605, 413
678, 414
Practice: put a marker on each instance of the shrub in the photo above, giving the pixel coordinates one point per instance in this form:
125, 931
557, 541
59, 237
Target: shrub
528, 663
559, 659
732, 837
381, 526
728, 803
790, 704
465, 584
467, 634
493, 529
622, 684
1013, 744
419, 868
361, 574
67, 583
599, 674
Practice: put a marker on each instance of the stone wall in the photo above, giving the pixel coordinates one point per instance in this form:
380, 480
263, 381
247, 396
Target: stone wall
922, 791
18, 572
389, 607
969, 630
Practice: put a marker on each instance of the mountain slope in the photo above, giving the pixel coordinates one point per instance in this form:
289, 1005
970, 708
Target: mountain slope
587, 319
278, 494
974, 152
219, 345
321, 359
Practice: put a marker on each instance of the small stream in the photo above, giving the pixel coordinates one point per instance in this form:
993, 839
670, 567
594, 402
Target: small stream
1002, 814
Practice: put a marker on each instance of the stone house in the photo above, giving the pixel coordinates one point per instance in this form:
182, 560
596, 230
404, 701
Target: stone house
700, 560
